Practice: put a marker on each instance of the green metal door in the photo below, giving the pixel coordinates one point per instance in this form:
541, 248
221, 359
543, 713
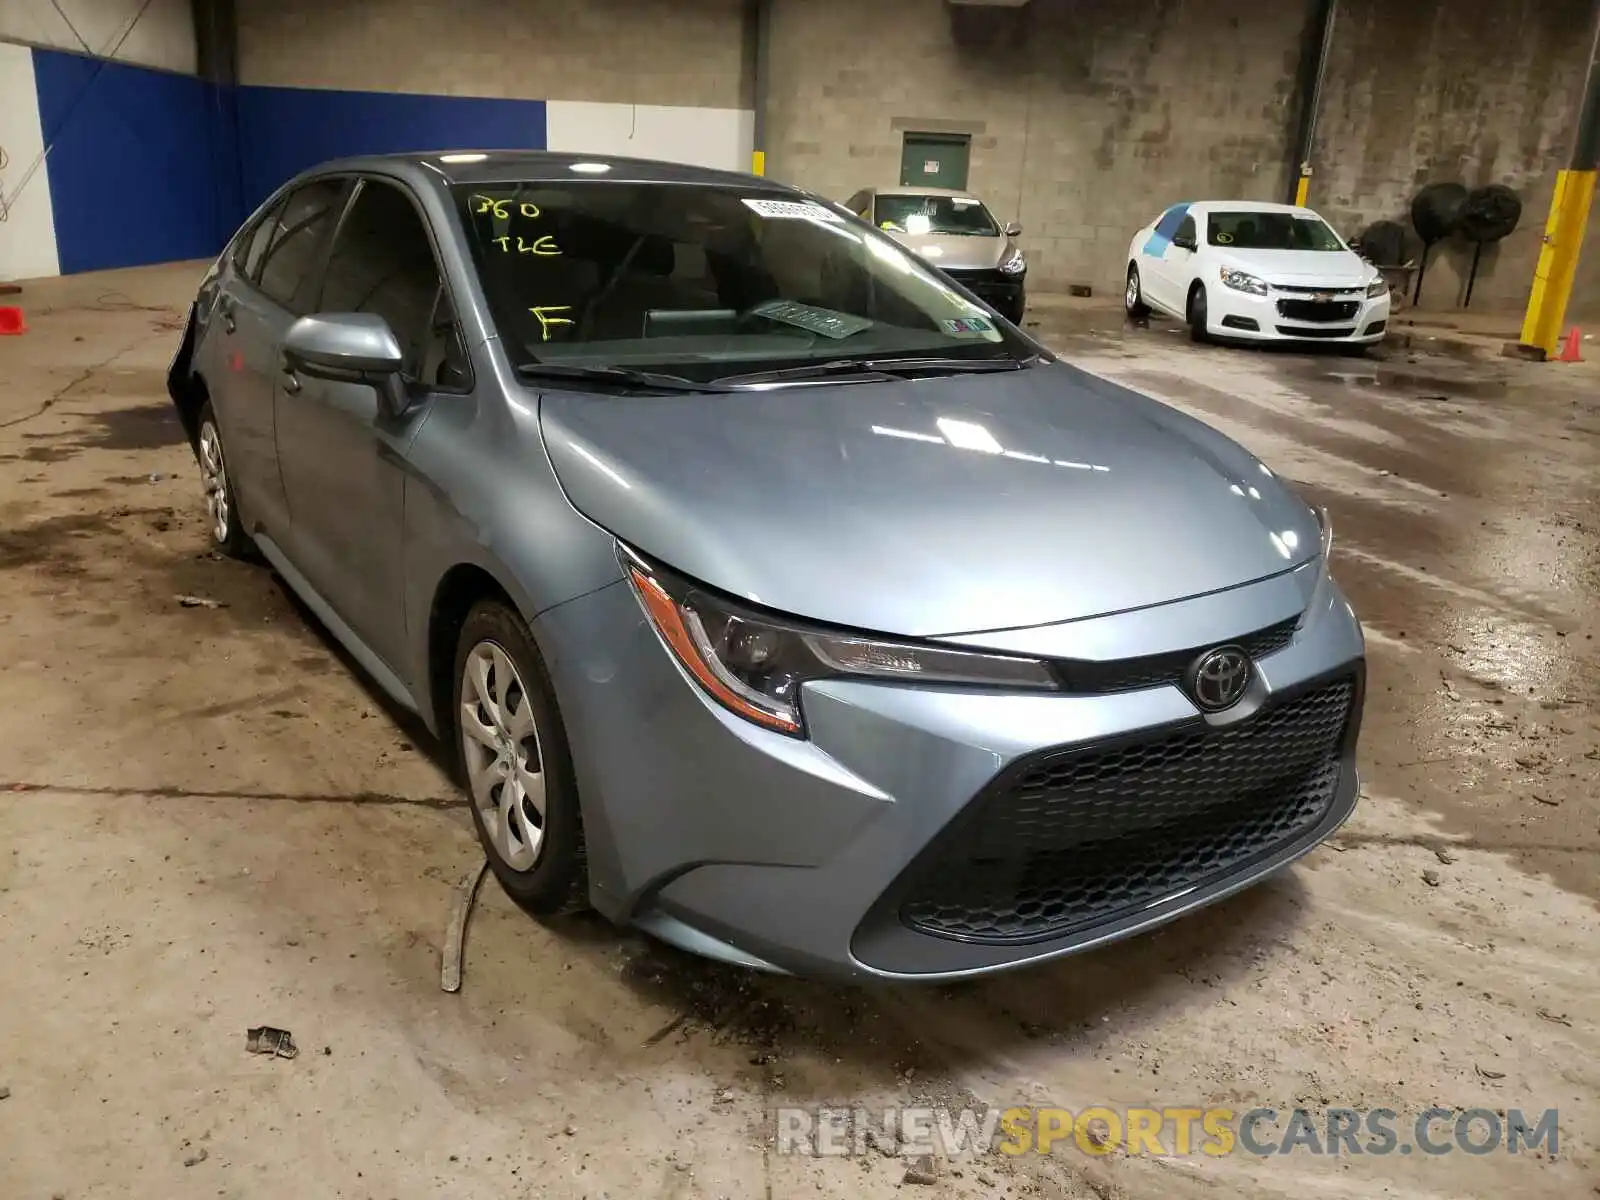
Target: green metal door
934, 160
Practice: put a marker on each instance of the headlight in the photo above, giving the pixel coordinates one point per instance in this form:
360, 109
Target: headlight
754, 665
1378, 287
1240, 282
1014, 263
1325, 576
1325, 523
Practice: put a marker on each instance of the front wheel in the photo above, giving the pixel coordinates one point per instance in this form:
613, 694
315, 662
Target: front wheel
1133, 297
516, 764
1198, 318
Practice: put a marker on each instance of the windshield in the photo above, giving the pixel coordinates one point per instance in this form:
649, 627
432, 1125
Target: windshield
1270, 231
706, 281
937, 215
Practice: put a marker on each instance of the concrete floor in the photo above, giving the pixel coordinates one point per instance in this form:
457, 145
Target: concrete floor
208, 822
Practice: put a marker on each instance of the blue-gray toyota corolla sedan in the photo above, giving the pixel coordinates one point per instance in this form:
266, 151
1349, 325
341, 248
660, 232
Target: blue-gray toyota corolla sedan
775, 595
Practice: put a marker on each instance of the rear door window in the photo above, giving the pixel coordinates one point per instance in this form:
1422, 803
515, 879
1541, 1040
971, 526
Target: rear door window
251, 245
297, 235
1169, 221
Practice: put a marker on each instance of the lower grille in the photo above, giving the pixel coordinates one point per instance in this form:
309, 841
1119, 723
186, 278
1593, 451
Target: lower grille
1083, 838
1317, 310
1296, 331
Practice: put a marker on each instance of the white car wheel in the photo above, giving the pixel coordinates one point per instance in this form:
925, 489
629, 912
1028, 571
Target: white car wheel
1133, 297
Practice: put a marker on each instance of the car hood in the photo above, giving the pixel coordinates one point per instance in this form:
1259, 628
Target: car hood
957, 252
930, 507
1335, 268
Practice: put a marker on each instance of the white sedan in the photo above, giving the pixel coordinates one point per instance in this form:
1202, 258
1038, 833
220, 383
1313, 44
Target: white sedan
1256, 271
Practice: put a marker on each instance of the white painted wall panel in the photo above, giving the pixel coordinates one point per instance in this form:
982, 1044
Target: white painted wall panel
702, 137
27, 226
162, 37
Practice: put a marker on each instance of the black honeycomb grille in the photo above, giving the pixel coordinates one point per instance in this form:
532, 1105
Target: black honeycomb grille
1154, 670
1081, 839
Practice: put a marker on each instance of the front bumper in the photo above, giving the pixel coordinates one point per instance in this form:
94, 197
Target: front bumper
1283, 316
1007, 294
842, 855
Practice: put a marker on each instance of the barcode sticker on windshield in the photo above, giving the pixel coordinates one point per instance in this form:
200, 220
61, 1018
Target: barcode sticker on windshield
794, 210
969, 326
812, 319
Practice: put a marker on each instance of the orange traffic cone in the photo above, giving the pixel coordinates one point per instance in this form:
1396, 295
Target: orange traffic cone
1569, 347
11, 320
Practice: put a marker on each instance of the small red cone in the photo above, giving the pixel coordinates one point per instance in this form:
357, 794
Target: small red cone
1569, 347
11, 320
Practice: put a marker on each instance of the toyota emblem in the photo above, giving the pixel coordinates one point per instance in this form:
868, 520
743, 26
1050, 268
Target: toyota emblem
1219, 677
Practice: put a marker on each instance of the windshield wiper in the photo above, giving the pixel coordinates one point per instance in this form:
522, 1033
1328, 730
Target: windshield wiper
653, 381
878, 369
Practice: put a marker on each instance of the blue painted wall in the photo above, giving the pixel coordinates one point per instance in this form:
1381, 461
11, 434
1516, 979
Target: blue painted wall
139, 162
147, 166
285, 130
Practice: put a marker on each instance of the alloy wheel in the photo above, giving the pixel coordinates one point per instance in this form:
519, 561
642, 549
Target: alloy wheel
500, 746
214, 477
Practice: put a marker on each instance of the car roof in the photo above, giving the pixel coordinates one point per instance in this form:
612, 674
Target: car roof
926, 191
469, 166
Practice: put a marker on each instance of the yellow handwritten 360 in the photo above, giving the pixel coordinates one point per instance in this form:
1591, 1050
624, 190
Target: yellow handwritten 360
502, 207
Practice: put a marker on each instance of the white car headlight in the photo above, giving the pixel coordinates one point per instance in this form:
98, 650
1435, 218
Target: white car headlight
1241, 282
1014, 263
1378, 287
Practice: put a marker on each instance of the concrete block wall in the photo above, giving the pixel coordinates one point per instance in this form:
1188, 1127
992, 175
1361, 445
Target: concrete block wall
1440, 91
654, 78
1087, 117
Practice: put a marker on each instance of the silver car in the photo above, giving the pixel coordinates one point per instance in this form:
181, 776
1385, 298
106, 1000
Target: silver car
956, 232
773, 598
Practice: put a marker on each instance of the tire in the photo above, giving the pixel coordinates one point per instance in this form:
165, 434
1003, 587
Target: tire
222, 508
503, 690
1133, 295
1197, 314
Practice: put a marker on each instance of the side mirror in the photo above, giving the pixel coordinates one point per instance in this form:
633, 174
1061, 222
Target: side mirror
1013, 229
349, 348
1188, 243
